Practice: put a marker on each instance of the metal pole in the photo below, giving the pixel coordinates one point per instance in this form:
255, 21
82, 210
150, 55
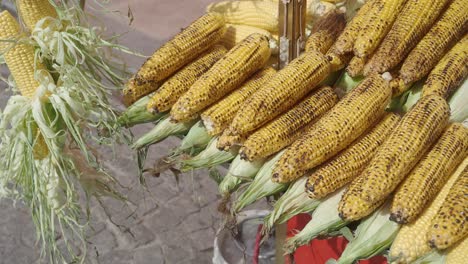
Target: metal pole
292, 21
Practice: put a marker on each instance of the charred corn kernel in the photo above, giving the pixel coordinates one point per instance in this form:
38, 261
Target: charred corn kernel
236, 33
180, 82
326, 31
261, 14
220, 115
347, 165
430, 174
356, 66
182, 49
228, 140
284, 90
457, 254
450, 28
345, 42
337, 61
21, 62
279, 132
399, 86
133, 92
226, 75
413, 22
351, 117
379, 22
449, 72
449, 224
410, 242
31, 11
418, 129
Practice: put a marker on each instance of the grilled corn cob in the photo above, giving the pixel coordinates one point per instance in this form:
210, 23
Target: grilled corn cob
285, 89
436, 43
236, 33
31, 11
356, 66
280, 132
418, 129
449, 224
353, 115
377, 26
261, 14
415, 19
345, 42
183, 48
347, 165
226, 75
430, 174
449, 72
325, 31
411, 243
457, 254
179, 83
337, 61
21, 62
134, 92
219, 116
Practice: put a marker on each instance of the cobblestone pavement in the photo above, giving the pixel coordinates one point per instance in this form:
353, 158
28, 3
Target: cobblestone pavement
169, 223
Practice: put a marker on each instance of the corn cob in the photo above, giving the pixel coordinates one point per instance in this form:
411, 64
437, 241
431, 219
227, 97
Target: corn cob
413, 22
261, 14
236, 33
220, 115
226, 75
436, 43
285, 89
347, 165
351, 117
21, 62
449, 72
183, 48
31, 11
279, 133
378, 24
356, 66
457, 254
411, 243
345, 42
325, 32
449, 224
418, 129
337, 61
134, 92
430, 174
179, 83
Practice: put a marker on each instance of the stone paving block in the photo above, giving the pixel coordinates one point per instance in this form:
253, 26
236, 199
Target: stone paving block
203, 239
148, 255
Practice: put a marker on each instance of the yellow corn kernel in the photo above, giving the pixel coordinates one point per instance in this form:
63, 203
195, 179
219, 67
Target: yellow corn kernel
412, 23
346, 166
226, 75
337, 61
280, 132
457, 254
133, 92
449, 224
228, 140
378, 23
430, 174
261, 14
449, 72
356, 66
32, 11
220, 115
418, 129
236, 33
410, 242
284, 90
350, 118
326, 31
201, 35
180, 82
450, 28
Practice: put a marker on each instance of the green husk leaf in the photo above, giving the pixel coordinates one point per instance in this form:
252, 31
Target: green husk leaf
137, 114
373, 235
325, 222
161, 131
261, 186
433, 257
239, 171
210, 157
293, 202
346, 83
197, 137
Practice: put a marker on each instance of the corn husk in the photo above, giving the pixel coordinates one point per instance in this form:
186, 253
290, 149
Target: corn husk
138, 114
434, 257
239, 171
196, 138
210, 157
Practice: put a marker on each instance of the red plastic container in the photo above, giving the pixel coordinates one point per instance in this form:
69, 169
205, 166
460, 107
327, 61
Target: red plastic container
319, 251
